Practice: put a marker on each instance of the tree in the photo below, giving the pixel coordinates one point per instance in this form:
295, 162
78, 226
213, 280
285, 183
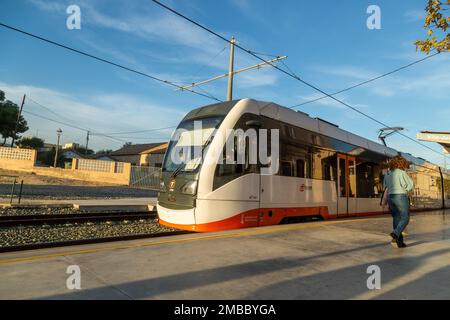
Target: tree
31, 143
103, 152
8, 118
82, 150
127, 144
437, 25
48, 158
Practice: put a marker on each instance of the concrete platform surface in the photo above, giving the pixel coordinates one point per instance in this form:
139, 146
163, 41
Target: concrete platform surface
317, 260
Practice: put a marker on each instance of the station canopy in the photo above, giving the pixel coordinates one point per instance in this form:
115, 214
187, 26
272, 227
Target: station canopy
443, 138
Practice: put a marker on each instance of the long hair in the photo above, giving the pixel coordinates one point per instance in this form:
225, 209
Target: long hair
398, 162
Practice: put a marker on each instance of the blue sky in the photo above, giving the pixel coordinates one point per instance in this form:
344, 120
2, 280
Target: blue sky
328, 44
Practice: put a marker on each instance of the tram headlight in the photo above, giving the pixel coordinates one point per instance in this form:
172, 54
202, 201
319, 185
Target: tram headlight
162, 186
189, 187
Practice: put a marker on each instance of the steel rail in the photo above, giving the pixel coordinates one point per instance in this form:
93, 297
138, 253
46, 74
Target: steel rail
53, 219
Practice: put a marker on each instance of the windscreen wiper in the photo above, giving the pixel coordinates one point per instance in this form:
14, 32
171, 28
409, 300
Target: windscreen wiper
177, 170
182, 165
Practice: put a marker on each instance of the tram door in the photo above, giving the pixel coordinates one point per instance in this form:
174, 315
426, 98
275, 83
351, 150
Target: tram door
346, 185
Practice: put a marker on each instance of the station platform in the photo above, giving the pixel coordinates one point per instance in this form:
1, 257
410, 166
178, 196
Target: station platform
91, 205
315, 260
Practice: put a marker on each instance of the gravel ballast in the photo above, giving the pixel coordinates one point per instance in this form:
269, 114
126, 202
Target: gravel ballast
13, 236
11, 211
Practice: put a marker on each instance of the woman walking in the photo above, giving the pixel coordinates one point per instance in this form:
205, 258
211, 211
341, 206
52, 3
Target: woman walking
398, 185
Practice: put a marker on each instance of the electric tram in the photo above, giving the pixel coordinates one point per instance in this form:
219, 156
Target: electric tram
321, 172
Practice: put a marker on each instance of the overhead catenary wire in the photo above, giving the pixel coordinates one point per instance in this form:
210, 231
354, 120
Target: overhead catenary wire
290, 74
50, 110
367, 81
195, 73
147, 138
89, 131
93, 133
140, 131
65, 122
68, 125
169, 83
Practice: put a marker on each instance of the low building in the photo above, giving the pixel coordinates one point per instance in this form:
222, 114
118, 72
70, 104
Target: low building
153, 157
132, 153
104, 157
70, 154
71, 145
47, 147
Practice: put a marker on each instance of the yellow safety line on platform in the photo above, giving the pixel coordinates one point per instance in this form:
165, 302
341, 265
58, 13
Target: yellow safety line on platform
252, 231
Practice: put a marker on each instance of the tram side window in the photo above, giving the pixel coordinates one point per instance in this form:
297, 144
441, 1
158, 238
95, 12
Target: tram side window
379, 172
286, 169
295, 161
325, 165
300, 165
447, 186
226, 172
369, 179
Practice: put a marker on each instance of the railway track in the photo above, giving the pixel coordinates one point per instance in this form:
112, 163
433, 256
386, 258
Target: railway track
35, 246
36, 220
78, 218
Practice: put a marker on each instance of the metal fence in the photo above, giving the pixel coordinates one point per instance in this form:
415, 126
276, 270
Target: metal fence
14, 180
145, 177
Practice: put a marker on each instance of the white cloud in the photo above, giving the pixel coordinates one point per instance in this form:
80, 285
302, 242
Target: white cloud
327, 102
430, 78
414, 15
346, 71
257, 78
163, 27
192, 45
101, 113
50, 6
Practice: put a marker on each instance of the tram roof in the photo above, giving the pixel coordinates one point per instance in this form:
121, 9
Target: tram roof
330, 129
299, 118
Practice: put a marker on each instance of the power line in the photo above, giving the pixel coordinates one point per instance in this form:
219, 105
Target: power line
367, 81
53, 120
106, 61
88, 130
265, 54
147, 138
118, 139
140, 131
91, 131
197, 72
69, 125
51, 111
292, 75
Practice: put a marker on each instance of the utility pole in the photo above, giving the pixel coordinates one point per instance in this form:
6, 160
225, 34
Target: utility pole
58, 133
231, 70
87, 142
18, 119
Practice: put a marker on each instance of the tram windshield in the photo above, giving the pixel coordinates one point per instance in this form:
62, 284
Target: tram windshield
188, 142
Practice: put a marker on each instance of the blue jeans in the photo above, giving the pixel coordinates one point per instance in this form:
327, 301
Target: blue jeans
399, 207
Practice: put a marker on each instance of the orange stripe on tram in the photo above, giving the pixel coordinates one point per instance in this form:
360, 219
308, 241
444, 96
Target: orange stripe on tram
262, 217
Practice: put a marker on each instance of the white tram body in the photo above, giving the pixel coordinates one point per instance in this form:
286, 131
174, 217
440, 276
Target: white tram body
324, 171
